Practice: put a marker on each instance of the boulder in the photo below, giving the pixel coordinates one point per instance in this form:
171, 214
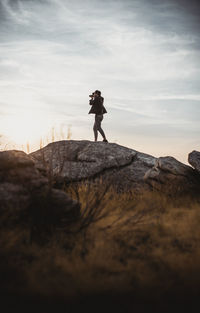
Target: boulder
76, 160
14, 159
124, 168
24, 189
194, 160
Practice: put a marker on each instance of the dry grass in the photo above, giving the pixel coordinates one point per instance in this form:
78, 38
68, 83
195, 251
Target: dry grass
123, 244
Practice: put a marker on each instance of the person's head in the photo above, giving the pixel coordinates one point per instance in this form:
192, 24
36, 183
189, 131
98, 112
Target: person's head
98, 93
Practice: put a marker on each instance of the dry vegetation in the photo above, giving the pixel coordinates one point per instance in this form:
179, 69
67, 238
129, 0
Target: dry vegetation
142, 249
126, 253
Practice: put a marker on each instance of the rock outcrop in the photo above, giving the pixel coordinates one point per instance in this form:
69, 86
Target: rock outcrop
194, 160
29, 182
24, 189
124, 168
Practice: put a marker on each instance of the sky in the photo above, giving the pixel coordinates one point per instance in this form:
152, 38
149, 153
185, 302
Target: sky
144, 55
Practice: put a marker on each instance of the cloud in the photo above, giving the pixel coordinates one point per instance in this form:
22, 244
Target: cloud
144, 56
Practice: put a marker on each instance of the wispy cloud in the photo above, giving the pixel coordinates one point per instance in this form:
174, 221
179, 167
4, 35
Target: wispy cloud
144, 56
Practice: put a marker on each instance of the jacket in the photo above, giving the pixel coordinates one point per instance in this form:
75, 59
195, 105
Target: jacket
97, 106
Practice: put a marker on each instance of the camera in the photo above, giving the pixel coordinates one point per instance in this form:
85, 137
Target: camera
92, 95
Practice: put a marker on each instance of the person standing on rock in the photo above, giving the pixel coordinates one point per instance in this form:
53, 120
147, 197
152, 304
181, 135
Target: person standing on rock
98, 109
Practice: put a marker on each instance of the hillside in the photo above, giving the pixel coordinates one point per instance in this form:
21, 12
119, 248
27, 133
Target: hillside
98, 227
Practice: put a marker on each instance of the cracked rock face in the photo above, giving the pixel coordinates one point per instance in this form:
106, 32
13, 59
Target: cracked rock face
76, 160
194, 160
124, 168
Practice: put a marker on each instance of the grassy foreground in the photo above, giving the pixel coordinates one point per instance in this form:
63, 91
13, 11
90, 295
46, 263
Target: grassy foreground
127, 253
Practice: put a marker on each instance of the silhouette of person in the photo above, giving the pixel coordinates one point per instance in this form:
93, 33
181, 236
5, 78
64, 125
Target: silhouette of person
98, 109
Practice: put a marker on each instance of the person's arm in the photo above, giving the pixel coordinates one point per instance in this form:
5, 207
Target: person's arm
92, 101
95, 101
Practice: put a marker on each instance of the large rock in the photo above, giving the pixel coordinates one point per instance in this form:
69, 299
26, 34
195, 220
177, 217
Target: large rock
122, 167
76, 160
14, 158
24, 189
194, 160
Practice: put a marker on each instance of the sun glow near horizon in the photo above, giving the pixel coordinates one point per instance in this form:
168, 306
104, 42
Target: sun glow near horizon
26, 127
30, 132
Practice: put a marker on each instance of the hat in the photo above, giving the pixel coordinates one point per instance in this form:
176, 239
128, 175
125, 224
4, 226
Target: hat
98, 92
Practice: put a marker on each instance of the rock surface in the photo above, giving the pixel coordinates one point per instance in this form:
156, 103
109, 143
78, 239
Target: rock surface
23, 188
194, 160
124, 168
26, 179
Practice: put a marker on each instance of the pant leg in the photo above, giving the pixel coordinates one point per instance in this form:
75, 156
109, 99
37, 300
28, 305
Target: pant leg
95, 130
98, 120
